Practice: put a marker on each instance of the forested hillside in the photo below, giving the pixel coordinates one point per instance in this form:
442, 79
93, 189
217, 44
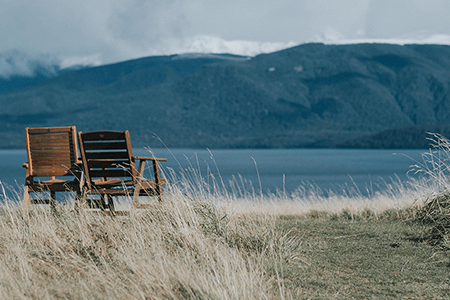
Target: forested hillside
312, 95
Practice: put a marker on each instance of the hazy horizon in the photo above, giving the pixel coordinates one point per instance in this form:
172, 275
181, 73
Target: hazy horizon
108, 31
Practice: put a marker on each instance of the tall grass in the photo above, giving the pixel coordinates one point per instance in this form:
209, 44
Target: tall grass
208, 239
435, 209
183, 248
240, 196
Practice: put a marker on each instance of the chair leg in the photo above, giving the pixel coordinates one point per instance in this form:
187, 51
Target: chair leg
83, 199
53, 201
111, 207
103, 202
77, 200
136, 197
160, 194
26, 197
157, 180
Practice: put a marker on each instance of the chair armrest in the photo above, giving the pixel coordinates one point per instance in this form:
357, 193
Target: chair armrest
149, 158
25, 165
142, 160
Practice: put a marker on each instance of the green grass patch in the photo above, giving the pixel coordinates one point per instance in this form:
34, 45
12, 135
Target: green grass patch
365, 259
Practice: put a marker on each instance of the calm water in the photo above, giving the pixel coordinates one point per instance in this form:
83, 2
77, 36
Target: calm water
283, 169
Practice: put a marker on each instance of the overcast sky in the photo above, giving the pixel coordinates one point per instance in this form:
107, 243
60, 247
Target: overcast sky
105, 31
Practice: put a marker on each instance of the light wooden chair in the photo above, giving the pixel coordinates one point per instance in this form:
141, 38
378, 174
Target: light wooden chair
110, 170
52, 152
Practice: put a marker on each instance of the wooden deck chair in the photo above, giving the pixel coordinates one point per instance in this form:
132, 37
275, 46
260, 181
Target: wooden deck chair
52, 152
110, 170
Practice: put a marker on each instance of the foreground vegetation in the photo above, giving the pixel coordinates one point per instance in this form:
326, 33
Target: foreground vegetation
203, 242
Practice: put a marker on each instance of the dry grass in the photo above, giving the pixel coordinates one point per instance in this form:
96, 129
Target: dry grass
202, 242
435, 210
180, 249
188, 247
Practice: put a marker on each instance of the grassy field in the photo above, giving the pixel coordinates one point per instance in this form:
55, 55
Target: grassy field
365, 259
203, 242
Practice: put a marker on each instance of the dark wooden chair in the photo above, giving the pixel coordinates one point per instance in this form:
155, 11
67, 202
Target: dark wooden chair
110, 170
52, 152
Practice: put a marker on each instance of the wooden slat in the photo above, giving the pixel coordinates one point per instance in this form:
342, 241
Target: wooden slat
149, 158
66, 147
55, 158
61, 149
52, 167
40, 201
109, 173
58, 143
50, 129
108, 164
53, 152
48, 135
148, 192
51, 164
54, 162
53, 143
53, 155
105, 146
49, 168
114, 192
107, 155
50, 140
103, 136
46, 173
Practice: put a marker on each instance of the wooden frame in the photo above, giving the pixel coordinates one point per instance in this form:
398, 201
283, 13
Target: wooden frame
52, 152
110, 170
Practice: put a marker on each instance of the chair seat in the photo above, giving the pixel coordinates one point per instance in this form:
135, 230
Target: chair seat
147, 184
53, 184
125, 188
51, 181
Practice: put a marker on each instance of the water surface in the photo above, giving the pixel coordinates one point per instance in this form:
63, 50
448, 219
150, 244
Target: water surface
268, 169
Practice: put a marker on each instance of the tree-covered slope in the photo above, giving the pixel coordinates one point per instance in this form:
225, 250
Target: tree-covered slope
312, 95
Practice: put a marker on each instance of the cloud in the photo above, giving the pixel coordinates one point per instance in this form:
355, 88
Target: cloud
138, 26
16, 63
213, 44
394, 18
97, 32
83, 60
413, 38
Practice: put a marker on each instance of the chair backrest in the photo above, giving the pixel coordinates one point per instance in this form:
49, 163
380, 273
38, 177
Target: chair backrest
107, 155
52, 151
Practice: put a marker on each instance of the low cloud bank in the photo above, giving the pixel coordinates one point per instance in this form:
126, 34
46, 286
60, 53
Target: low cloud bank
213, 44
17, 63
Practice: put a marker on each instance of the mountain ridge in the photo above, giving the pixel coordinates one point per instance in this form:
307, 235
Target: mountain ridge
311, 95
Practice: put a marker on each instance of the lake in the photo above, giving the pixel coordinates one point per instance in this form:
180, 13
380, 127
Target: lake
269, 169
